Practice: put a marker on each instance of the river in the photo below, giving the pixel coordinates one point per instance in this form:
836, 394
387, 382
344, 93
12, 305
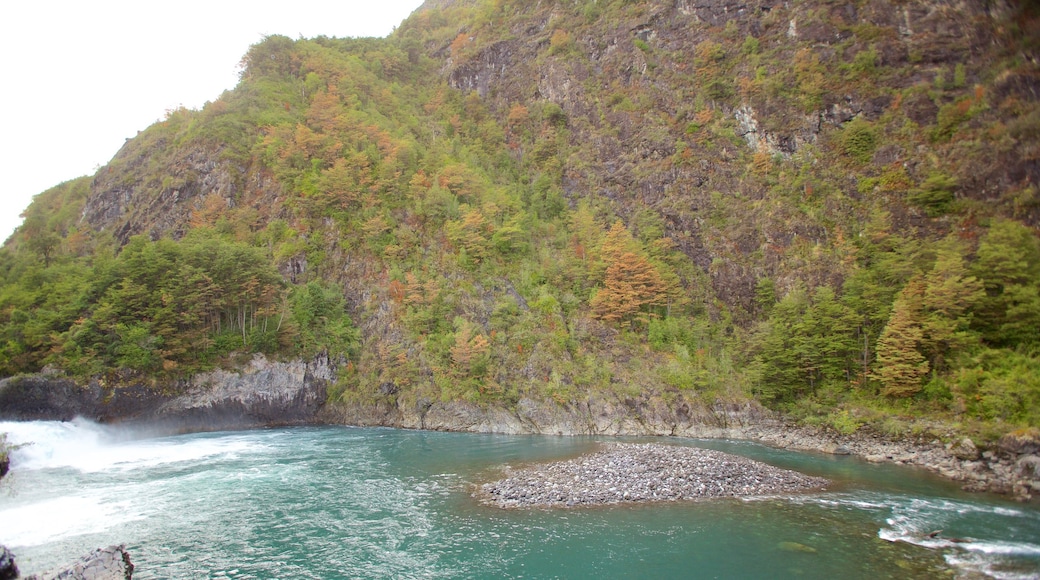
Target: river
342, 502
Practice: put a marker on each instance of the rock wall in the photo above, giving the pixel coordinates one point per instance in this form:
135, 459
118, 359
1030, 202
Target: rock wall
262, 393
598, 415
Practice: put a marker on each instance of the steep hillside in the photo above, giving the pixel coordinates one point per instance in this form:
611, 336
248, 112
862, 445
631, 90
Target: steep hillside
830, 208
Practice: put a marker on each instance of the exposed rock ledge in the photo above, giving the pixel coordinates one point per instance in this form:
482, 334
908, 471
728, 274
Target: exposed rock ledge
624, 473
262, 393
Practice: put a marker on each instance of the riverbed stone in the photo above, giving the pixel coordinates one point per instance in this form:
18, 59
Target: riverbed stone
796, 547
627, 472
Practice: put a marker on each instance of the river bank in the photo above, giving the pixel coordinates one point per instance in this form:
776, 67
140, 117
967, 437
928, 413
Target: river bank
267, 393
1010, 467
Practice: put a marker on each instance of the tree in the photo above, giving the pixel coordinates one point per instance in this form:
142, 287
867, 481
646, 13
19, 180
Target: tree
631, 291
806, 343
1008, 263
470, 233
470, 352
950, 294
901, 367
40, 239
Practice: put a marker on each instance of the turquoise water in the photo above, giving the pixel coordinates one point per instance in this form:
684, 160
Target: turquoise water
340, 502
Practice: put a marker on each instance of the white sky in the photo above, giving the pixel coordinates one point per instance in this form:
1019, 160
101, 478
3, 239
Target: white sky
81, 76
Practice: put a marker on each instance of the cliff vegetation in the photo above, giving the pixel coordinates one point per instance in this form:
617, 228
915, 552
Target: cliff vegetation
830, 208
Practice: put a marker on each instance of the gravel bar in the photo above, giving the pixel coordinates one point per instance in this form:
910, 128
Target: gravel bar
627, 472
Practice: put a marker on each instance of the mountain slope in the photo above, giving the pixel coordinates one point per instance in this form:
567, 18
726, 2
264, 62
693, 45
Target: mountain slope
831, 208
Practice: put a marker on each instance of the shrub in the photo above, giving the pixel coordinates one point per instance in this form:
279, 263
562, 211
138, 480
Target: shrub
935, 195
859, 140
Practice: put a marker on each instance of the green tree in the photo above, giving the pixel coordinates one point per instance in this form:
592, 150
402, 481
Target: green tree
1008, 263
950, 295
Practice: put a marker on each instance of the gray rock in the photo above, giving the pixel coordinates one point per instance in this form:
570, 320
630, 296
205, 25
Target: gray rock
111, 563
965, 449
8, 569
261, 393
1028, 466
1021, 442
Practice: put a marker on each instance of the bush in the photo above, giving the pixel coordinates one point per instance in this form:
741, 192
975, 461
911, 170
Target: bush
935, 195
859, 140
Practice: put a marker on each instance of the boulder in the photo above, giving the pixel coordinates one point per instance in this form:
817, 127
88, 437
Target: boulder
8, 569
1020, 442
965, 449
1028, 466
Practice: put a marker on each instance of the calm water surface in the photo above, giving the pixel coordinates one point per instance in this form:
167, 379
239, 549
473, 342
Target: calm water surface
340, 502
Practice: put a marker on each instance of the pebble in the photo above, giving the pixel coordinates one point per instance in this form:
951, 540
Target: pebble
628, 472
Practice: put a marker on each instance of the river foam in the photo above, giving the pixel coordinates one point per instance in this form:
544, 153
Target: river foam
89, 447
975, 537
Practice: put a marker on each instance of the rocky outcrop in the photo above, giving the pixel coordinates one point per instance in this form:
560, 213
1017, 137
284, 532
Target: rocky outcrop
597, 415
8, 569
111, 563
128, 197
1021, 442
5, 455
261, 393
46, 397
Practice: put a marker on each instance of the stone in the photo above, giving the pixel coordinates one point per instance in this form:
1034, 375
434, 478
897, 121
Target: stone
796, 547
965, 449
1020, 442
8, 569
111, 563
1028, 466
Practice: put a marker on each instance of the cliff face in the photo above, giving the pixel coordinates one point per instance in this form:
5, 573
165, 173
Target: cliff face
130, 197
771, 80
575, 217
262, 393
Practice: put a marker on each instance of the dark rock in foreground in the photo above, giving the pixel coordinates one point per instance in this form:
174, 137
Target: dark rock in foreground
643, 473
111, 563
8, 569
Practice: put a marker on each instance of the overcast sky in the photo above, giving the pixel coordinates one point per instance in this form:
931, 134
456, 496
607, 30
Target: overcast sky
82, 76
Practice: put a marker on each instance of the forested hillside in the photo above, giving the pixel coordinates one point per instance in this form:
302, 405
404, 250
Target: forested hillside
828, 207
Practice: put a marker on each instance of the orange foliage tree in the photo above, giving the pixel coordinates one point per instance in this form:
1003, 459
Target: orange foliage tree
631, 292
